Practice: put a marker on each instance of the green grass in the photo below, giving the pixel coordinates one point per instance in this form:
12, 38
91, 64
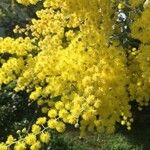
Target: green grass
118, 141
136, 139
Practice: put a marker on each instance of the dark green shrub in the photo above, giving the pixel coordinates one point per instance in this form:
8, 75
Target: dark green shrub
14, 110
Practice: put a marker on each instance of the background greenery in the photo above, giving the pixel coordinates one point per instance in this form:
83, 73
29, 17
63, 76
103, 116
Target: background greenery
12, 13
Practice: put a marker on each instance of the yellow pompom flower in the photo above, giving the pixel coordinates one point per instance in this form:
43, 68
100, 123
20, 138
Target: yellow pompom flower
41, 120
10, 139
3, 146
59, 105
52, 113
45, 137
34, 96
52, 123
30, 139
70, 119
68, 106
60, 127
36, 146
20, 146
63, 113
27, 2
36, 128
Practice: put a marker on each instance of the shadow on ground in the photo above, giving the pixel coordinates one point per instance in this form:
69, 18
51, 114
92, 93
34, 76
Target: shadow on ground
136, 139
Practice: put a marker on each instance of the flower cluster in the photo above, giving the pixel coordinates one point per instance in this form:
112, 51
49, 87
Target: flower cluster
27, 140
140, 80
28, 2
73, 73
20, 46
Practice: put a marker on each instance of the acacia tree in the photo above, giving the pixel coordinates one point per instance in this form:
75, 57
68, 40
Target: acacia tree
83, 62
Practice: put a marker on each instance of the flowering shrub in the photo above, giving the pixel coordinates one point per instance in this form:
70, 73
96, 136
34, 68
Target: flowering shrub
74, 67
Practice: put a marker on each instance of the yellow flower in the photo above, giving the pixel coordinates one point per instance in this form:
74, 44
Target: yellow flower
52, 123
36, 128
60, 127
34, 95
71, 119
20, 146
68, 106
59, 105
41, 120
27, 2
52, 113
63, 113
10, 139
30, 139
3, 146
45, 137
36, 146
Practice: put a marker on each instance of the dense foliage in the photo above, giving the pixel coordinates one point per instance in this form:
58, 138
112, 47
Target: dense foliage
82, 62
